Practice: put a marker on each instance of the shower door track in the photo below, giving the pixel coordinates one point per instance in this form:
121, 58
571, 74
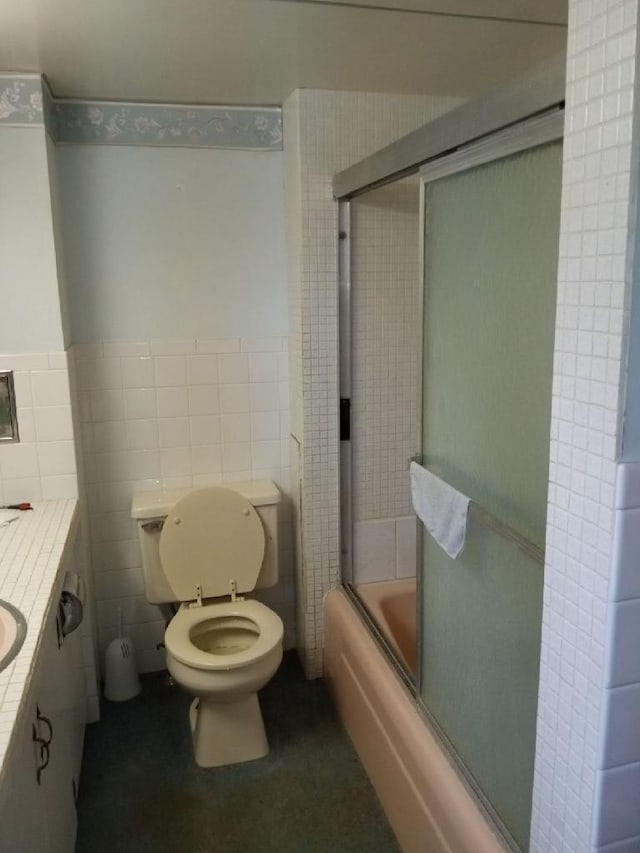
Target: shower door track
506, 105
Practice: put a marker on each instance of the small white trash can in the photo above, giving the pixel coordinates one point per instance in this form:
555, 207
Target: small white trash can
121, 681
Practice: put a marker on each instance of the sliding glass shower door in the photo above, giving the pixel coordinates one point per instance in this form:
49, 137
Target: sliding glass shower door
385, 370
491, 226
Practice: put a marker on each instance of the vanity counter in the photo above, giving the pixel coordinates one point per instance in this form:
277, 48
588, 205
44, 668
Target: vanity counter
31, 554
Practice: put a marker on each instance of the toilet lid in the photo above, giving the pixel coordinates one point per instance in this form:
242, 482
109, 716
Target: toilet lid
211, 537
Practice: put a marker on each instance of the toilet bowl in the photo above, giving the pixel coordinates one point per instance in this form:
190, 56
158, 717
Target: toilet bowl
223, 653
220, 647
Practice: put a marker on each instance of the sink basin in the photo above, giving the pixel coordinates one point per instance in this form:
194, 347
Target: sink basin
13, 630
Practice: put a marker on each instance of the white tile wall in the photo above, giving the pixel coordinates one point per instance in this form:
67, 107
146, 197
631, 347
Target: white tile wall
374, 550
406, 545
617, 800
42, 466
621, 726
384, 549
175, 414
577, 802
622, 661
324, 133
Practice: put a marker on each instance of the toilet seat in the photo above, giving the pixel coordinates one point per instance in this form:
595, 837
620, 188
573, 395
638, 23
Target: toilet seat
212, 538
178, 634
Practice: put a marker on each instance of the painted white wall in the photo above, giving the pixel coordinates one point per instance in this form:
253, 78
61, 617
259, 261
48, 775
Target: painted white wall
30, 315
175, 278
173, 243
57, 220
631, 425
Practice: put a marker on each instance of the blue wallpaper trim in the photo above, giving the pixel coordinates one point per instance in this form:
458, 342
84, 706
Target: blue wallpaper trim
105, 123
28, 101
20, 100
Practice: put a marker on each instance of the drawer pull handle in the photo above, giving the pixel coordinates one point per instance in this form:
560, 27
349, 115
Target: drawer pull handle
40, 718
44, 753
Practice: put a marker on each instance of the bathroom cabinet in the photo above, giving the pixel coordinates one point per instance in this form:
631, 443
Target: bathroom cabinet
37, 808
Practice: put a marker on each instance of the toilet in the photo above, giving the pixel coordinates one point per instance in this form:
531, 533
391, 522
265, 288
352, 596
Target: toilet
204, 549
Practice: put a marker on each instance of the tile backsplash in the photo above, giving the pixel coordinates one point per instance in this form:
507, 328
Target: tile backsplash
175, 414
384, 549
42, 465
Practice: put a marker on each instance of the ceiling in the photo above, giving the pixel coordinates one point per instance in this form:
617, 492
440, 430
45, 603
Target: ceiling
259, 51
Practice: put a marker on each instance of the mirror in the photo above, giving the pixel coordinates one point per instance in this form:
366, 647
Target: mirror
8, 420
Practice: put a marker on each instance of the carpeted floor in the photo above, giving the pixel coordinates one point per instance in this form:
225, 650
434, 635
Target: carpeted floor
141, 790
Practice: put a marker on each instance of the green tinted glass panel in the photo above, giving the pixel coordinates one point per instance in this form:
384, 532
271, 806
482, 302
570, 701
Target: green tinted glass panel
491, 253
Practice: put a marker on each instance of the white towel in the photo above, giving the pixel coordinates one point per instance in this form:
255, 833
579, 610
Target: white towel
441, 509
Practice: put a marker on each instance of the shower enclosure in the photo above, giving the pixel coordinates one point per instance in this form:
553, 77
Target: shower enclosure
447, 313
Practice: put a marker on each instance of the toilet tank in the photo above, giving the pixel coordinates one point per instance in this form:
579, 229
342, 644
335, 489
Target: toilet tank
149, 509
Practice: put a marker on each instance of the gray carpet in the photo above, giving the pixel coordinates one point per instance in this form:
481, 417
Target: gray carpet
141, 790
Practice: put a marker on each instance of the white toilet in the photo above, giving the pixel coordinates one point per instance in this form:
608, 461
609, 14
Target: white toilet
204, 548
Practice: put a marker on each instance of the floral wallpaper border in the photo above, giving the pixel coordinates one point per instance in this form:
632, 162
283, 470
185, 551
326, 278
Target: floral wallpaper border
28, 101
21, 100
108, 123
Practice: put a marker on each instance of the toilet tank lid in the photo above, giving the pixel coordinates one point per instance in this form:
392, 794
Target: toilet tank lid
157, 504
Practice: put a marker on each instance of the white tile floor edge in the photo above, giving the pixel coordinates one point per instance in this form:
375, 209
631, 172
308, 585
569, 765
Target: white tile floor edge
32, 550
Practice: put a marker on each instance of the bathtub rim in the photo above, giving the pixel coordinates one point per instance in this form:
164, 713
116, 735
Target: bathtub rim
410, 685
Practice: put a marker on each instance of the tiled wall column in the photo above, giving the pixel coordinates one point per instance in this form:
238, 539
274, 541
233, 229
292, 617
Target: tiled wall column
325, 132
579, 806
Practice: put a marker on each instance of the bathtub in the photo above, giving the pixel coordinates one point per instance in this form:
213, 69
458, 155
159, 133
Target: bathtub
392, 604
429, 807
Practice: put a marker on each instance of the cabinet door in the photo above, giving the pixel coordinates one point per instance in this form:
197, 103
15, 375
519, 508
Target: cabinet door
56, 706
37, 810
23, 816
77, 705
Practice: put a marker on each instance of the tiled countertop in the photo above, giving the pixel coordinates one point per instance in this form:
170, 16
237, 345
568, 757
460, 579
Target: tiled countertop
31, 551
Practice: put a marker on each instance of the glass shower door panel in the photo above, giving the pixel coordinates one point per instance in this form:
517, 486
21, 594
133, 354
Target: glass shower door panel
491, 251
481, 647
